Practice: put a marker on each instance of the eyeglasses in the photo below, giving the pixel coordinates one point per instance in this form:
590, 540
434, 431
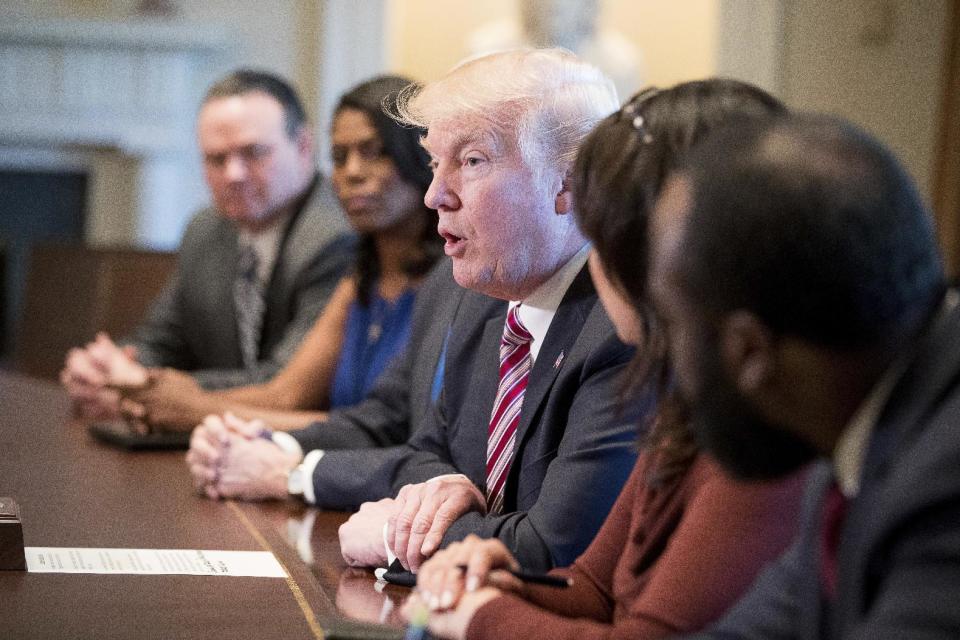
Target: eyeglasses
631, 110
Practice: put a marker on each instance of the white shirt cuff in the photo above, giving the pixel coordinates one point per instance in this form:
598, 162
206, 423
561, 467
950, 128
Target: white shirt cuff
386, 545
287, 442
309, 464
448, 475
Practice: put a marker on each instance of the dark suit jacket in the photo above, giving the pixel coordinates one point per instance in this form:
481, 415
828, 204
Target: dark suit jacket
899, 554
362, 442
575, 444
192, 325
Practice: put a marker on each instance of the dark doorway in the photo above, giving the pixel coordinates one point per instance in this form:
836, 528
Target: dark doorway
34, 206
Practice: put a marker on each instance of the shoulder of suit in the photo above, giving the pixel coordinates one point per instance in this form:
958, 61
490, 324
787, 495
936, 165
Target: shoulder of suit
205, 225
439, 279
321, 214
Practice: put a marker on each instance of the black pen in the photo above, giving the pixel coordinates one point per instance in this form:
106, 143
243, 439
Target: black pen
531, 577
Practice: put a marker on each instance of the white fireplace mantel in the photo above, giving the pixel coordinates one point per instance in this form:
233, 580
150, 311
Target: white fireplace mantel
133, 87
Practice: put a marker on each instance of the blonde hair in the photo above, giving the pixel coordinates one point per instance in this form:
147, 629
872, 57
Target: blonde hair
548, 98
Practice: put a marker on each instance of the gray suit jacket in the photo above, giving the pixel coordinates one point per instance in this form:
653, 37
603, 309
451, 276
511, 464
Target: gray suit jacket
899, 554
361, 442
192, 325
575, 446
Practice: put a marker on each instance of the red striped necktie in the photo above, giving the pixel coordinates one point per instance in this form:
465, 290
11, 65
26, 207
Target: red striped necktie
515, 366
833, 512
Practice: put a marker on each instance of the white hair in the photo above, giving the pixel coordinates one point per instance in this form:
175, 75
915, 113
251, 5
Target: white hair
548, 98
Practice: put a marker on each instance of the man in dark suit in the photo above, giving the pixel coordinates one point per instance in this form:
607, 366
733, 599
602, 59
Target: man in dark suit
798, 274
527, 441
253, 271
504, 204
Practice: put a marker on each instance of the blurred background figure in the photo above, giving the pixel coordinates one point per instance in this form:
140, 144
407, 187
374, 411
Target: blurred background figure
571, 24
380, 175
253, 270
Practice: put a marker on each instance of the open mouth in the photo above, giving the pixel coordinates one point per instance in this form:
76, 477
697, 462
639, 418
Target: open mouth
453, 245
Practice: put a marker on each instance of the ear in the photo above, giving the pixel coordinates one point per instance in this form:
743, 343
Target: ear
747, 351
563, 204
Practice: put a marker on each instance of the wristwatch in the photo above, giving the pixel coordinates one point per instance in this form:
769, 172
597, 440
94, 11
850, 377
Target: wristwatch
295, 480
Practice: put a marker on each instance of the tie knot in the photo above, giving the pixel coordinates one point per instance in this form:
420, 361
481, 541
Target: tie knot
513, 331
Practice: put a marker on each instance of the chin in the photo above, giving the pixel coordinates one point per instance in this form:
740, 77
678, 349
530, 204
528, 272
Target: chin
751, 451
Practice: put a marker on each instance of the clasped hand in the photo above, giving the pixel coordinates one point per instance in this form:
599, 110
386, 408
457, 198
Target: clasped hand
170, 400
91, 374
229, 459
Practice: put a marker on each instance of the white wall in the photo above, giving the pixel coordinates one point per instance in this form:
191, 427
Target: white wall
281, 36
676, 39
876, 62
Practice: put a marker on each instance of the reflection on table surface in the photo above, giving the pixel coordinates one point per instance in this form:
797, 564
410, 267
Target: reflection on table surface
76, 492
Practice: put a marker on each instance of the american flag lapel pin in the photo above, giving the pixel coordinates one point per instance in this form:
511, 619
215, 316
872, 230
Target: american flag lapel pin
558, 361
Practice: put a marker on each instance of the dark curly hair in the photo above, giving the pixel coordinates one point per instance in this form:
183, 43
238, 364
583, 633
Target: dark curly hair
617, 177
402, 144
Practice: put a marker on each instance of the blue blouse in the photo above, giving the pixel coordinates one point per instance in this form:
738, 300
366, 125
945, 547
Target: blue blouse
374, 335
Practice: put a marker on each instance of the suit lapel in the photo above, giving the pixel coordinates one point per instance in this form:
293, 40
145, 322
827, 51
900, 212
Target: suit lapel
563, 333
934, 369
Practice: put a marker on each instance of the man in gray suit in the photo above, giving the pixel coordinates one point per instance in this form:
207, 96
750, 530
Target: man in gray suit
253, 271
798, 273
505, 208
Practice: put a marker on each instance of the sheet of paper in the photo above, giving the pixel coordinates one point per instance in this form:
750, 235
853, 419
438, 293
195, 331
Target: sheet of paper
260, 564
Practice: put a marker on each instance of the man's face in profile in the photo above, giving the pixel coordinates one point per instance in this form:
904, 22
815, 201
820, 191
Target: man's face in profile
726, 424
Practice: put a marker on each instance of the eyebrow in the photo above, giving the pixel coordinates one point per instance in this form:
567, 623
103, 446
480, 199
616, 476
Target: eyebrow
473, 136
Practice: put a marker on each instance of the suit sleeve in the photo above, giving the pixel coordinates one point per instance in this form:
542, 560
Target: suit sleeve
159, 339
919, 592
915, 587
314, 287
592, 463
362, 443
365, 442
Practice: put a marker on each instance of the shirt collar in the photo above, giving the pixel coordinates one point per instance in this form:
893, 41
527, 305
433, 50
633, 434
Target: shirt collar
851, 447
537, 309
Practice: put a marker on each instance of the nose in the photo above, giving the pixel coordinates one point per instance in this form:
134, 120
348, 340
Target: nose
353, 166
235, 168
440, 194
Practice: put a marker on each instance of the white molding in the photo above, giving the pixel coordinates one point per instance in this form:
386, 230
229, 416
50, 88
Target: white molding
128, 86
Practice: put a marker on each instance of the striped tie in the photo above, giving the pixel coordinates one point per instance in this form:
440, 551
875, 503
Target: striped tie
515, 366
248, 299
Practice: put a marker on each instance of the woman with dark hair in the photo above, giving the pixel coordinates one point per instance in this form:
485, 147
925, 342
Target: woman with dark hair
683, 540
380, 175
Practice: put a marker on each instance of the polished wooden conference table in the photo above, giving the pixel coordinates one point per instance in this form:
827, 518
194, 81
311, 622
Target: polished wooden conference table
76, 492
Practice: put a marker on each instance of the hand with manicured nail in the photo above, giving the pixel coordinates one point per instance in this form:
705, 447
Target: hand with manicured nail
463, 568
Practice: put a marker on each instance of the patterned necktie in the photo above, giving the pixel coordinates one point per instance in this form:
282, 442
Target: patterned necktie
248, 299
833, 512
515, 366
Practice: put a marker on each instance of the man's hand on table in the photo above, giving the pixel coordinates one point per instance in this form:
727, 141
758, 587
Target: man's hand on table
425, 511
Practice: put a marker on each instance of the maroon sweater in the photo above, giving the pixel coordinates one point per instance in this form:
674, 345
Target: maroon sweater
664, 562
